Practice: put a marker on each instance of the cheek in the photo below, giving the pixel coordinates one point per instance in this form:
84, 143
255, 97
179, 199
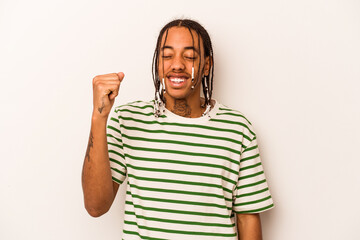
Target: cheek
163, 67
199, 70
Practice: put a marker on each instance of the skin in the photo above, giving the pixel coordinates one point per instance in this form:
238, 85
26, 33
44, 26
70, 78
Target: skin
249, 227
98, 188
178, 55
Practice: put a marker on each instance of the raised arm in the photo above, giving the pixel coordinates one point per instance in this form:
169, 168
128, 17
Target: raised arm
98, 188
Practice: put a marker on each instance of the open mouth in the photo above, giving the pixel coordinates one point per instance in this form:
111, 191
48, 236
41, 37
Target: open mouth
177, 81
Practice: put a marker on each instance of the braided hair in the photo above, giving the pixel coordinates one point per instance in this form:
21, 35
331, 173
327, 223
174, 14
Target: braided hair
207, 82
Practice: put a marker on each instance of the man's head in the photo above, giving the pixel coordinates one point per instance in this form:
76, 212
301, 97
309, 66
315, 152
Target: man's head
184, 59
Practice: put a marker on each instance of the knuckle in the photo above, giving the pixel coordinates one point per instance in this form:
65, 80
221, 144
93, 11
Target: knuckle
97, 83
96, 79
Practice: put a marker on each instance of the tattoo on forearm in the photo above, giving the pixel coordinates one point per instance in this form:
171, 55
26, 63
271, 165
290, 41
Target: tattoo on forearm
100, 109
182, 108
90, 145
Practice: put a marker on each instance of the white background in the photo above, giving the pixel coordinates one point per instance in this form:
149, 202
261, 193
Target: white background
292, 67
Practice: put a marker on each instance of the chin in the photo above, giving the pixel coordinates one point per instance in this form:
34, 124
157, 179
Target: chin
177, 94
176, 97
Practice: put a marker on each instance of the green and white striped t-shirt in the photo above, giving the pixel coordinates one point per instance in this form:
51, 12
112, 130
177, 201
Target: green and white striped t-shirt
187, 177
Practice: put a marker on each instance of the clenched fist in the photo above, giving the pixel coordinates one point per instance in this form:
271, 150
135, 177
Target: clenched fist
105, 89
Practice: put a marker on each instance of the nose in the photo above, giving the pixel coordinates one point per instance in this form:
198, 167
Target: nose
177, 63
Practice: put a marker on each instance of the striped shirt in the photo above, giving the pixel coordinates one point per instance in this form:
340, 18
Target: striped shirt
186, 177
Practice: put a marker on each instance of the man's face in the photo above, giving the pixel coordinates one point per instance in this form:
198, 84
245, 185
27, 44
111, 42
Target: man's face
177, 58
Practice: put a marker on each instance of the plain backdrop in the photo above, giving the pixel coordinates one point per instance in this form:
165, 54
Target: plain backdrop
292, 67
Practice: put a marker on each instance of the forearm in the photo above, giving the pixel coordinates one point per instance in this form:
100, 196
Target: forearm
249, 227
96, 176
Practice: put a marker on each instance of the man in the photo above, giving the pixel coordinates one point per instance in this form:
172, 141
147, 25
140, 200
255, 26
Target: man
192, 164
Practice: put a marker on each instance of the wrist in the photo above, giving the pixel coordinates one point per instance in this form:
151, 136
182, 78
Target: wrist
99, 118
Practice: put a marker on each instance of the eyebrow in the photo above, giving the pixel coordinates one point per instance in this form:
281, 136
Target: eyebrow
186, 48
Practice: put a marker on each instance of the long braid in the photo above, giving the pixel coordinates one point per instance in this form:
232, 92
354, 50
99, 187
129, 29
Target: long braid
162, 93
193, 61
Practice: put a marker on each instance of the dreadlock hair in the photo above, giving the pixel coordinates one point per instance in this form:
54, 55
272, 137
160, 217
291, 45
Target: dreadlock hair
207, 81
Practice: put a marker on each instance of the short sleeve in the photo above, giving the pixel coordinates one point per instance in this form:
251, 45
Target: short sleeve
115, 148
252, 193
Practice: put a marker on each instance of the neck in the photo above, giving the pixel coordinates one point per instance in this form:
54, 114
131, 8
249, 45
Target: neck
188, 107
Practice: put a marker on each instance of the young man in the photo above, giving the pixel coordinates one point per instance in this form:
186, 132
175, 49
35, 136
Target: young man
192, 164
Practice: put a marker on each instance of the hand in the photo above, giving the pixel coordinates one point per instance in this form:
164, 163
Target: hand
105, 89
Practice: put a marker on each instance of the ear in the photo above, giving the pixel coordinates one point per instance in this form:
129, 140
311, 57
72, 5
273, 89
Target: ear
208, 65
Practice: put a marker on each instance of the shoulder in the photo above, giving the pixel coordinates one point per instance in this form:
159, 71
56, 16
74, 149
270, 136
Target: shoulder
234, 119
136, 107
232, 114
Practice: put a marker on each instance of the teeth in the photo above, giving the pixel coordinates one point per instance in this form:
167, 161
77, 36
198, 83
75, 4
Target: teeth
177, 80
